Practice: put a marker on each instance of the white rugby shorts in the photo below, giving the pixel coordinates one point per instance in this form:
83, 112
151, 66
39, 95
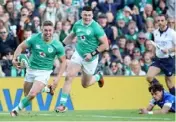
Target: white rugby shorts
38, 75
88, 67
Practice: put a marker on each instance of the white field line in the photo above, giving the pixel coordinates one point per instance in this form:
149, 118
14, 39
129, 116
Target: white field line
101, 116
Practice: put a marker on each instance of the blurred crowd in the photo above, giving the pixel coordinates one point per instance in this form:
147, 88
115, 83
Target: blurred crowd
128, 25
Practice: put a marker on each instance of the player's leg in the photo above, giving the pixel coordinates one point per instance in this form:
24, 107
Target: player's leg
27, 87
152, 72
36, 88
170, 84
40, 79
72, 71
168, 67
88, 78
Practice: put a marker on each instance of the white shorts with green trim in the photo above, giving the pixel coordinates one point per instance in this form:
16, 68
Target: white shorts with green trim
88, 67
38, 75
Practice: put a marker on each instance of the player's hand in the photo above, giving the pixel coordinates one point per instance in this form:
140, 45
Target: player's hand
55, 82
143, 111
88, 56
16, 63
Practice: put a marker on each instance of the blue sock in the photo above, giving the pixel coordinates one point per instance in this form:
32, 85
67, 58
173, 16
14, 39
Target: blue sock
172, 91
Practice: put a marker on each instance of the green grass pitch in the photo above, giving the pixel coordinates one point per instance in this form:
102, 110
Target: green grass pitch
95, 115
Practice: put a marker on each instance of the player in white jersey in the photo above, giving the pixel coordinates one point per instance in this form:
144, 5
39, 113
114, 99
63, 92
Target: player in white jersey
44, 51
165, 43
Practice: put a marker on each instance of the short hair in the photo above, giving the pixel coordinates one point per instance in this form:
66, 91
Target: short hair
87, 8
163, 15
47, 23
156, 87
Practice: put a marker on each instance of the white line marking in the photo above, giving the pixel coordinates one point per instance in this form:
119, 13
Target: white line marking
99, 116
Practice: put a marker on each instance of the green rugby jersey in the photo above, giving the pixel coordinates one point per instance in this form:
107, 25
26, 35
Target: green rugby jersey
87, 36
43, 53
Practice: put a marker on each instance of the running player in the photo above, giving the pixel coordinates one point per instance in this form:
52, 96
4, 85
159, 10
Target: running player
44, 50
165, 39
91, 40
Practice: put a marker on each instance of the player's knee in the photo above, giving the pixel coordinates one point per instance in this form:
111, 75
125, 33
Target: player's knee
71, 74
149, 78
84, 85
32, 94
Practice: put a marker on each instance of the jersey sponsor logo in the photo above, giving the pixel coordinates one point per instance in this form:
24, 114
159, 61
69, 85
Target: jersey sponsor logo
50, 50
42, 54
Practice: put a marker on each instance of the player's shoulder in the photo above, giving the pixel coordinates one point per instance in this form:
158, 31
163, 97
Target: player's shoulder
57, 43
94, 23
168, 96
171, 31
79, 22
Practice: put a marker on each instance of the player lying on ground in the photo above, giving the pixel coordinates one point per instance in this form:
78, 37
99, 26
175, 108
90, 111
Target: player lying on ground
163, 99
91, 40
44, 50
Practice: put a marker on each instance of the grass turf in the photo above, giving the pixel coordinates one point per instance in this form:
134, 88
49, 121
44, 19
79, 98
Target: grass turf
95, 115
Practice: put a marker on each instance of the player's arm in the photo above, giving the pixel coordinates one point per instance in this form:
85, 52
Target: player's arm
103, 44
174, 42
62, 58
148, 108
62, 68
69, 38
165, 109
17, 52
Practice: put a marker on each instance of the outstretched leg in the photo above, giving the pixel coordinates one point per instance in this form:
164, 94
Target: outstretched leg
152, 72
72, 71
36, 88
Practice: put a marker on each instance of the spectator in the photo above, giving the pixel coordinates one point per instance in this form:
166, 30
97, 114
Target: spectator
116, 56
36, 25
7, 40
147, 61
130, 45
66, 28
136, 68
121, 44
132, 31
141, 42
50, 12
24, 22
171, 8
8, 67
121, 25
137, 54
150, 47
114, 69
126, 65
172, 23
102, 20
58, 29
67, 12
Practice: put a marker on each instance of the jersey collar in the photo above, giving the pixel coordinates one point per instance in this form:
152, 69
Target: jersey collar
86, 25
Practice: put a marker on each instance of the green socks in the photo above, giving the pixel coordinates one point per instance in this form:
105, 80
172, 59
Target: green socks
45, 89
63, 99
97, 77
23, 103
